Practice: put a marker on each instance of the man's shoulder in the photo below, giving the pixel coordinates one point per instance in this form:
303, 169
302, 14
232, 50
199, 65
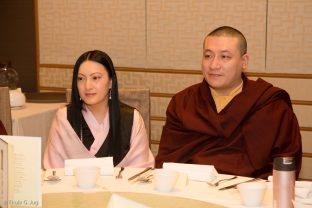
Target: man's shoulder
189, 90
264, 91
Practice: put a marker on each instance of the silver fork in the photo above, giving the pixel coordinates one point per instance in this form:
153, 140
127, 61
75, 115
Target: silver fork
220, 181
119, 176
144, 179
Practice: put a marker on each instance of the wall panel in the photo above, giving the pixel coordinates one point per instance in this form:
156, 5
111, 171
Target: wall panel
176, 30
69, 28
289, 47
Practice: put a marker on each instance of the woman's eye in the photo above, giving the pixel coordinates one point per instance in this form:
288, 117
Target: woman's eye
80, 78
96, 77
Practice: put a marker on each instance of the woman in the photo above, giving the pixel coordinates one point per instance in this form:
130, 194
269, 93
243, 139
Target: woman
96, 123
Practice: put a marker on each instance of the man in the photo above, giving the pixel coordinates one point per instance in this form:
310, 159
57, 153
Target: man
236, 124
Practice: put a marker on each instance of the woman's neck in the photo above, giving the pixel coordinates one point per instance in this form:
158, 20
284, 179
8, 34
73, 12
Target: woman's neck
99, 111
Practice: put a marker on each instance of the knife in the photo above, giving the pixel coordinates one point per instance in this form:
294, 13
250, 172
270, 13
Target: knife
235, 184
140, 173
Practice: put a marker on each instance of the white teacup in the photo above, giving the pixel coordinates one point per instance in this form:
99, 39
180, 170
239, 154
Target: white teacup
164, 179
252, 193
87, 176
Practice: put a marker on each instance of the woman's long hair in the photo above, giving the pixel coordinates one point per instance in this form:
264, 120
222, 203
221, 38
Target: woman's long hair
113, 103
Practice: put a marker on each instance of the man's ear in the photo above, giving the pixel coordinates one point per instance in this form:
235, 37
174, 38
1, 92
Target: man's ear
245, 59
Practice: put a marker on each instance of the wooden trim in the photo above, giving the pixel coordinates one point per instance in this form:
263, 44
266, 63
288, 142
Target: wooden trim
304, 128
61, 66
301, 102
37, 43
153, 141
161, 94
169, 95
307, 154
186, 71
158, 118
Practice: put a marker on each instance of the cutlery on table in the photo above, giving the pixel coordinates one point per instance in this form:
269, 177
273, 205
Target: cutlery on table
119, 176
215, 184
234, 185
140, 173
144, 179
53, 177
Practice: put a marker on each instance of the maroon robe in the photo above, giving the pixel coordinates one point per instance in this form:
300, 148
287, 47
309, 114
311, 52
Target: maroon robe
257, 125
2, 129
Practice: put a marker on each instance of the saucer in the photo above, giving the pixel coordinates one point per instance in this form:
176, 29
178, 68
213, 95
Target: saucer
17, 107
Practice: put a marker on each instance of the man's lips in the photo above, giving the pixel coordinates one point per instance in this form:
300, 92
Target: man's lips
215, 75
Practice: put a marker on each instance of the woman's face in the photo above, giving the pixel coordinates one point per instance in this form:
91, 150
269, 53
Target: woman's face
93, 84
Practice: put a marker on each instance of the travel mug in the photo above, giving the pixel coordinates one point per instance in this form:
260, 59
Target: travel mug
284, 178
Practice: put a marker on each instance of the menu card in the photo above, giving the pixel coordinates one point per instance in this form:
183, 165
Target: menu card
3, 174
21, 171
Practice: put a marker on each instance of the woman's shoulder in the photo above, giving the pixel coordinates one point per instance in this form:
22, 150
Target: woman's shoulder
62, 111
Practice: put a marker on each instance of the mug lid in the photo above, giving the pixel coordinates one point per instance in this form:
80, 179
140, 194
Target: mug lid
284, 163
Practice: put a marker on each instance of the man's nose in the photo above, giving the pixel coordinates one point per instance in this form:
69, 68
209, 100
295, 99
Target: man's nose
215, 64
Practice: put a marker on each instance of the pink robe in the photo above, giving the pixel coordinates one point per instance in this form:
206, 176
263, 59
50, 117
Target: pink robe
63, 142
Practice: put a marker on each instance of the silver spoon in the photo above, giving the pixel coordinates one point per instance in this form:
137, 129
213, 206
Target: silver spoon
215, 184
119, 176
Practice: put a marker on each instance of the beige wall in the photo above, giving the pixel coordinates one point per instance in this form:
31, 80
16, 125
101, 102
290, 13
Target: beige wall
160, 41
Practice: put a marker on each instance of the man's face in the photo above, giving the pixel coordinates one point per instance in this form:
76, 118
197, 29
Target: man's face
222, 63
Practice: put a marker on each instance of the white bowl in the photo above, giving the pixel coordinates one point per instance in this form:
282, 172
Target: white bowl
252, 193
87, 176
164, 179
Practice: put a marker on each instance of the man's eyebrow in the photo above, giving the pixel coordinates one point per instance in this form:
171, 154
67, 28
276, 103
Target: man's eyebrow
222, 51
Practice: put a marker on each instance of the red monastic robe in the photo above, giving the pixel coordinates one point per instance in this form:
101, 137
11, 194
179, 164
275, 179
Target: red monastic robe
257, 125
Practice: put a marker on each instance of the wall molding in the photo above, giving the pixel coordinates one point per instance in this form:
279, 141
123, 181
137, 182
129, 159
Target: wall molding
169, 95
186, 71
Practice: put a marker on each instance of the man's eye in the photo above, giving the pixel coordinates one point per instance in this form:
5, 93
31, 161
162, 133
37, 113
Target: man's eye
225, 57
208, 56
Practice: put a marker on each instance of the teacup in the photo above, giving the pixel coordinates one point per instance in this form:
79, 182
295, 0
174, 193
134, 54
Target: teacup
164, 179
87, 176
252, 193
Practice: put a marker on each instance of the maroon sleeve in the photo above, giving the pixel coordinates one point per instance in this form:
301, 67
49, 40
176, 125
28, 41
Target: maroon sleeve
2, 129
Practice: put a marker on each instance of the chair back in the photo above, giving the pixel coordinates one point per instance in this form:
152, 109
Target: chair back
137, 98
5, 109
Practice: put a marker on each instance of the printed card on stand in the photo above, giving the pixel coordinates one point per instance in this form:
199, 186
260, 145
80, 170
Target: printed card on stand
23, 158
4, 191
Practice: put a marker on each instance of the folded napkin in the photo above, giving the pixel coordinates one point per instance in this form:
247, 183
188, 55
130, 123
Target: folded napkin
105, 164
194, 171
117, 201
303, 189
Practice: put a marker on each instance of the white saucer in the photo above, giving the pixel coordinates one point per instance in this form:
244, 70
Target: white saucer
18, 107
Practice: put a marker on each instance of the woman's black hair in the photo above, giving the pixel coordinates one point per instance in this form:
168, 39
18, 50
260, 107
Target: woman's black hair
113, 103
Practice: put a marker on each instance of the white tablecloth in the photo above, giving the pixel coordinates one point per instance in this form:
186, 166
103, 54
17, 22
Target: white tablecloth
193, 190
34, 119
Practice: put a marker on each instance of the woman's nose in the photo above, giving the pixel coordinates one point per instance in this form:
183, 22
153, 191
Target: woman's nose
88, 84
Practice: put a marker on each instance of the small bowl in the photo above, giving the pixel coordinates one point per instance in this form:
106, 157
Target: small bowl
87, 176
164, 179
252, 193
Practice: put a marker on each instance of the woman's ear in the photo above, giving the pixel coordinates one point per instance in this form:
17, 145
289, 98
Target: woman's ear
110, 84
